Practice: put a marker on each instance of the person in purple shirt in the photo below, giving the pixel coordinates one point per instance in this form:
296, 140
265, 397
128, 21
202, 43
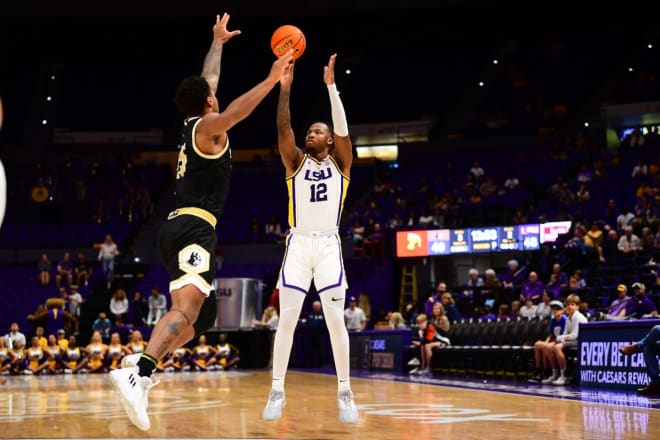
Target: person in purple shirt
640, 305
562, 277
439, 291
533, 288
553, 287
619, 307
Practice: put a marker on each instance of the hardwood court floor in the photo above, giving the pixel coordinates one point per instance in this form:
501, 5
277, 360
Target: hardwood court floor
228, 405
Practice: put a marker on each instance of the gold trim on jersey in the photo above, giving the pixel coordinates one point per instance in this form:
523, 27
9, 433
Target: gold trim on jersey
197, 212
338, 169
204, 155
300, 165
194, 279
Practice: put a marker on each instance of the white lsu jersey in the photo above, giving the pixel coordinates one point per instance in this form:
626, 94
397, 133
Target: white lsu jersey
316, 195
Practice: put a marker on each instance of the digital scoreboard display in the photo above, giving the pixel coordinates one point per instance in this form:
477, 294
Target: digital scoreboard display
510, 238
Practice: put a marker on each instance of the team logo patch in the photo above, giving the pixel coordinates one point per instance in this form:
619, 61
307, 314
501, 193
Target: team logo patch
194, 259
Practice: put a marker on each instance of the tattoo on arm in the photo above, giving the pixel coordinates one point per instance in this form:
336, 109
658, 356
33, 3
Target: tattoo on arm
283, 111
211, 68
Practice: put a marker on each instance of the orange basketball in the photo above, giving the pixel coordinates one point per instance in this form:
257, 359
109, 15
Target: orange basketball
288, 37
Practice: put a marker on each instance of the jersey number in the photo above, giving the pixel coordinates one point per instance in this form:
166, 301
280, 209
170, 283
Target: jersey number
182, 162
319, 193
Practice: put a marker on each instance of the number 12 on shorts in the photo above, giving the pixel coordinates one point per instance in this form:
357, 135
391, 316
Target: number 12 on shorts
319, 192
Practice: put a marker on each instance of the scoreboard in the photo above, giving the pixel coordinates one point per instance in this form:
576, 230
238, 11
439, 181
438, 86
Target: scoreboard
528, 237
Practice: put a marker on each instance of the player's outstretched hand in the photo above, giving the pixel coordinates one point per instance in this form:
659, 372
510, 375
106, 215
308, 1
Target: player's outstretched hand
280, 65
329, 70
220, 32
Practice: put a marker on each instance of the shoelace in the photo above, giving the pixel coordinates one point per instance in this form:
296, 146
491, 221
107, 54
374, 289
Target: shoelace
275, 396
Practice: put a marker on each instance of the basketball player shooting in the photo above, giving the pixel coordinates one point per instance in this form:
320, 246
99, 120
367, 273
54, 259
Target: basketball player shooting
317, 178
186, 242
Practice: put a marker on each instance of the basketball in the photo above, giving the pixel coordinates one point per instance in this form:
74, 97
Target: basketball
288, 37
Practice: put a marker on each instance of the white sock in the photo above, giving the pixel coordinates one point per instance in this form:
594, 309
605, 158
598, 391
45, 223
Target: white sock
277, 384
334, 319
562, 373
555, 372
291, 302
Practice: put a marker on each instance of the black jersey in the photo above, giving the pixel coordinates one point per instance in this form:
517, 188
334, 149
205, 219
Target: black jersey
202, 180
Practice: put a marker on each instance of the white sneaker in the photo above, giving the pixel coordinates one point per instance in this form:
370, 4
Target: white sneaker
27, 372
130, 360
414, 371
68, 371
560, 381
425, 372
133, 391
414, 362
550, 379
273, 409
348, 412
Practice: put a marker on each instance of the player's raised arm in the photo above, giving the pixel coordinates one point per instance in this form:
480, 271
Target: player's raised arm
211, 68
217, 124
291, 155
343, 153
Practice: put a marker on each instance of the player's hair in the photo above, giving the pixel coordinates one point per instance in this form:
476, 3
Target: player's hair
328, 124
191, 95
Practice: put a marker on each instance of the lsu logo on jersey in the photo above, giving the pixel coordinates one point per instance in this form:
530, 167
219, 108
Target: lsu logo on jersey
315, 176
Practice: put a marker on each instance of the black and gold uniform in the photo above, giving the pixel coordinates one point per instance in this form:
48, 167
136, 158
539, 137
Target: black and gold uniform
187, 241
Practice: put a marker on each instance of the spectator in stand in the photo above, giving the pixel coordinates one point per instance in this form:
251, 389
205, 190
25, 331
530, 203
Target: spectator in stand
642, 306
629, 243
157, 306
64, 270
492, 288
82, 269
529, 309
75, 301
477, 171
474, 284
594, 239
102, 325
568, 339
519, 217
14, 336
625, 218
504, 312
553, 286
640, 170
620, 306
273, 229
647, 240
577, 281
395, 221
428, 336
562, 277
119, 306
532, 289
513, 274
439, 319
586, 310
107, 254
140, 309
44, 270
354, 317
543, 308
356, 233
610, 247
583, 195
396, 321
515, 309
449, 304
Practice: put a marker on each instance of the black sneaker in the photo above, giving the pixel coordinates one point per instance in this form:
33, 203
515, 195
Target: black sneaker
535, 379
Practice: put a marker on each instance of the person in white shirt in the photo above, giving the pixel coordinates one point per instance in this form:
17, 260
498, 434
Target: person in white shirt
529, 309
119, 305
355, 319
14, 335
157, 306
107, 255
629, 243
568, 340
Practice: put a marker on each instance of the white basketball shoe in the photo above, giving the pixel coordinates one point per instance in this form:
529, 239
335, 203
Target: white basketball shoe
348, 412
133, 391
273, 409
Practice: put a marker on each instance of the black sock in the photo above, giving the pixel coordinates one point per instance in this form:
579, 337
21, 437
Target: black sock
147, 365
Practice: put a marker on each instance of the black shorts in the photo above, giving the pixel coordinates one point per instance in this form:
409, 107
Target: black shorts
186, 244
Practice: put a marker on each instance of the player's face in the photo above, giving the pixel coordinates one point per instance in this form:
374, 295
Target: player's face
318, 138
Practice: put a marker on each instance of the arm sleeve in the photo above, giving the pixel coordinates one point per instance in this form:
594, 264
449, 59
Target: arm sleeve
338, 113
